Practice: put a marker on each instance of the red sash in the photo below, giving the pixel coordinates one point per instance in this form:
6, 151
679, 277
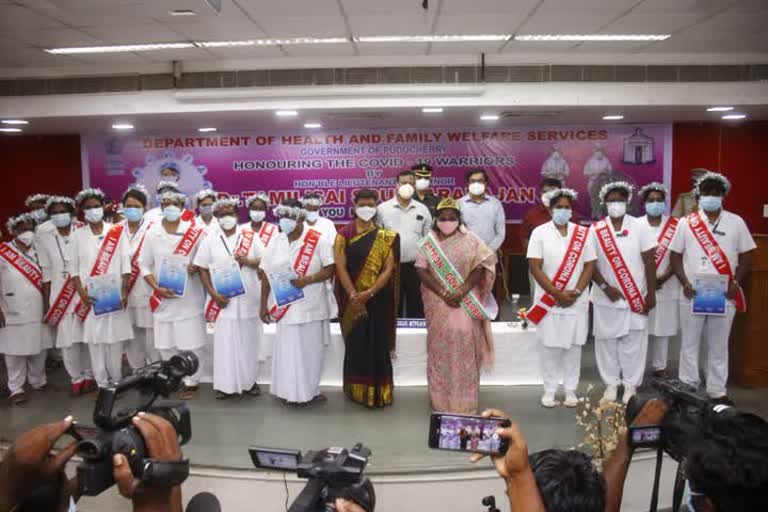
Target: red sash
665, 238
563, 274
135, 271
626, 282
25, 267
67, 293
184, 248
188, 216
212, 310
715, 254
266, 232
100, 266
301, 266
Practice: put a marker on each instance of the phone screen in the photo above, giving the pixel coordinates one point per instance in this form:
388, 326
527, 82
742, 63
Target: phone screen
647, 436
458, 432
274, 458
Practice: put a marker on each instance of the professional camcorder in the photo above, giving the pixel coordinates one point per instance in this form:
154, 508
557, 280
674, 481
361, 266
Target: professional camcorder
332, 473
114, 432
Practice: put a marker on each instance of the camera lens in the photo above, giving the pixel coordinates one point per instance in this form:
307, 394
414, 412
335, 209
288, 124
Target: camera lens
183, 364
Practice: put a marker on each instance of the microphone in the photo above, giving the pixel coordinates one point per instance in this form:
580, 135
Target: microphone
204, 502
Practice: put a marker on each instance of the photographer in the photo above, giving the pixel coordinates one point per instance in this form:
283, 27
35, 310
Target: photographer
33, 479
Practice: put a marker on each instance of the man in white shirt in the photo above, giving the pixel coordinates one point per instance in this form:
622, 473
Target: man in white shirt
205, 199
482, 213
730, 247
311, 203
303, 328
625, 291
170, 246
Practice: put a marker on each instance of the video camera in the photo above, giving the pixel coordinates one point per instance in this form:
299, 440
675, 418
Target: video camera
114, 432
332, 473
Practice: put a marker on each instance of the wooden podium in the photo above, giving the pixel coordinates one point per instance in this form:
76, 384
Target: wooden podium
749, 335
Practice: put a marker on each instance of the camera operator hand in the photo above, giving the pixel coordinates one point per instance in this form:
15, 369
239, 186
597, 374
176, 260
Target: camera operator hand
343, 505
28, 465
162, 444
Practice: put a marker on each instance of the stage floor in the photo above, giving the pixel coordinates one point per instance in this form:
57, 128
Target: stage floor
223, 430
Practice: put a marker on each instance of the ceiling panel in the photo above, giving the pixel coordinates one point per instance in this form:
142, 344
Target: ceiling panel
476, 23
217, 30
734, 23
650, 23
146, 32
698, 7
567, 21
14, 18
320, 50
53, 38
290, 8
315, 26
403, 8
387, 24
180, 55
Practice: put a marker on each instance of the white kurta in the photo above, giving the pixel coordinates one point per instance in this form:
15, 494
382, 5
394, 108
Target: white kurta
664, 319
209, 227
324, 226
22, 305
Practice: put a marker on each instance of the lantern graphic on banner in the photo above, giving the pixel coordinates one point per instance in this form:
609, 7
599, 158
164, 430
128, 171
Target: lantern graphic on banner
191, 177
638, 148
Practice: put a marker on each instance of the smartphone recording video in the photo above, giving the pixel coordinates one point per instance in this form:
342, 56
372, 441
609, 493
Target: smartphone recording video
464, 433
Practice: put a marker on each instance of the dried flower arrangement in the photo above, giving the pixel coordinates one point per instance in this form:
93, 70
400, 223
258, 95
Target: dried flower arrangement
603, 422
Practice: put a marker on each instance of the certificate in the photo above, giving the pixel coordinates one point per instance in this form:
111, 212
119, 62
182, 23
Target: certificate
285, 293
173, 274
710, 294
105, 290
227, 279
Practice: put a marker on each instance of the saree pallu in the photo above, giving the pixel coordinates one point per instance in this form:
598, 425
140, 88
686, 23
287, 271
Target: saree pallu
369, 333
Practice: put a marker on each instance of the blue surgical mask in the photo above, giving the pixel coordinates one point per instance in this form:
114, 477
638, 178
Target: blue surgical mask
133, 214
654, 208
206, 210
313, 216
61, 220
40, 215
561, 216
171, 213
710, 203
287, 225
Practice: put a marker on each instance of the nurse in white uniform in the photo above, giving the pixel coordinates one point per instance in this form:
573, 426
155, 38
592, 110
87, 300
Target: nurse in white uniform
257, 205
561, 258
155, 215
178, 320
105, 334
311, 203
303, 331
238, 330
625, 247
664, 319
55, 249
21, 310
726, 234
37, 206
205, 199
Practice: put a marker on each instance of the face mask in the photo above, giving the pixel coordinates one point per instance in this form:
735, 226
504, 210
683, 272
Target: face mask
477, 189
206, 211
447, 227
422, 184
228, 222
61, 220
133, 214
287, 225
654, 208
710, 203
313, 216
171, 213
405, 191
94, 215
257, 215
617, 209
26, 237
39, 214
366, 213
561, 216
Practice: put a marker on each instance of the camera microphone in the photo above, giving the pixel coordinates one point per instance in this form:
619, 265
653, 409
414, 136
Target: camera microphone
203, 502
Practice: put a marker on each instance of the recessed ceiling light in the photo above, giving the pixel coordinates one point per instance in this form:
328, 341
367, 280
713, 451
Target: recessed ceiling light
10, 130
208, 129
734, 117
286, 113
15, 121
432, 38
313, 125
183, 12
122, 126
273, 42
489, 117
432, 110
719, 109
120, 48
591, 37
617, 117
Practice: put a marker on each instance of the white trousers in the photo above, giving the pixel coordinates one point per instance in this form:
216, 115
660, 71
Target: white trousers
25, 368
297, 360
141, 349
560, 365
201, 353
235, 359
658, 346
715, 329
77, 361
622, 360
106, 362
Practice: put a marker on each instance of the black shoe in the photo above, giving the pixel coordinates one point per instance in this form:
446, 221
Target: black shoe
255, 390
220, 395
723, 400
661, 374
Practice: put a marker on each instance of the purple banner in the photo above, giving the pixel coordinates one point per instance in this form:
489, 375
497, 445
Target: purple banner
336, 163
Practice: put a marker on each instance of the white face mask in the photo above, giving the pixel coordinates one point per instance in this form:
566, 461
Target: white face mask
26, 237
39, 214
257, 215
228, 222
477, 189
206, 210
313, 216
617, 209
94, 215
422, 184
365, 213
61, 220
287, 225
405, 191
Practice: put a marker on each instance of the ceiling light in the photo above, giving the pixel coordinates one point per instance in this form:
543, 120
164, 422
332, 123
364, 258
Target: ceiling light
617, 117
273, 42
15, 121
432, 38
591, 37
489, 117
120, 48
122, 126
432, 110
183, 12
313, 125
719, 109
208, 129
734, 117
10, 130
286, 113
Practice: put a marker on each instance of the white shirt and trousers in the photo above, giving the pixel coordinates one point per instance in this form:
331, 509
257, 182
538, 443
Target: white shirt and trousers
104, 334
21, 340
486, 219
731, 233
304, 331
238, 329
563, 331
56, 255
178, 323
324, 226
621, 336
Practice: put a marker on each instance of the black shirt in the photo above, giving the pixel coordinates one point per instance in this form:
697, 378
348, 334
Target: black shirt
430, 201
